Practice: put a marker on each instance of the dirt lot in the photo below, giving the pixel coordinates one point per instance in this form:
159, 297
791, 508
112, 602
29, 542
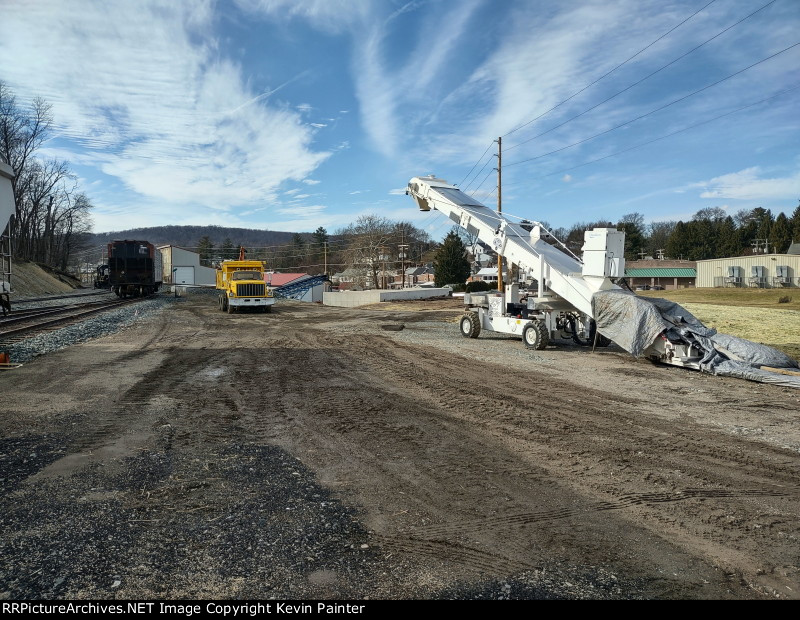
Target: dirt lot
311, 453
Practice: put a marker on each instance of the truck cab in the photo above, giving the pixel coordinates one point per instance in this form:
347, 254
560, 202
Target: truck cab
241, 285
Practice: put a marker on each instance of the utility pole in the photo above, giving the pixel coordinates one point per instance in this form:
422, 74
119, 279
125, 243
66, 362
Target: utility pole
403, 247
325, 252
499, 207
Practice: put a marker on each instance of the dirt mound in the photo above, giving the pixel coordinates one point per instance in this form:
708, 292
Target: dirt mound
32, 279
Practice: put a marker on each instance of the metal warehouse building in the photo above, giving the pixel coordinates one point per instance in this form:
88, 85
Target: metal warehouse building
183, 267
756, 271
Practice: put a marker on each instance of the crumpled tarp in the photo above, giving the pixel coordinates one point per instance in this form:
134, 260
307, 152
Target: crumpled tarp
634, 323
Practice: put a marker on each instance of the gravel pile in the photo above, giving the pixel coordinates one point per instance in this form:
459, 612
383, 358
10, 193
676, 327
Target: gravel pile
99, 325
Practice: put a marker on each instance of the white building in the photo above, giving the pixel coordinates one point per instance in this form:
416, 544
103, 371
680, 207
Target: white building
183, 267
752, 270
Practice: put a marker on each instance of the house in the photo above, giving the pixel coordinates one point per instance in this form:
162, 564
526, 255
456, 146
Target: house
352, 278
414, 276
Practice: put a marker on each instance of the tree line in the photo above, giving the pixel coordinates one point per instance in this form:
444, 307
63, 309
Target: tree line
52, 218
710, 233
373, 245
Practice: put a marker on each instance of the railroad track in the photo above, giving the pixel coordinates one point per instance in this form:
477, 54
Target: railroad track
27, 300
22, 324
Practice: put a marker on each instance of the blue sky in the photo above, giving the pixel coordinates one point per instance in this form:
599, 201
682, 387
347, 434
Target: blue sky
294, 114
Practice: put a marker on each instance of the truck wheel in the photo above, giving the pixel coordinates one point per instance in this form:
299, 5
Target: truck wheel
470, 325
535, 336
231, 309
267, 309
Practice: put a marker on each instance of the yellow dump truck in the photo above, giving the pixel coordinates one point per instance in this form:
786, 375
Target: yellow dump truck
241, 285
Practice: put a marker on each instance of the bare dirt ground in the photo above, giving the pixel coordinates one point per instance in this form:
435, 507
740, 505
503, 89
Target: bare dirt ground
31, 280
311, 453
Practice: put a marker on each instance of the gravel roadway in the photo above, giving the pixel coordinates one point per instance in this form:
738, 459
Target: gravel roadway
311, 453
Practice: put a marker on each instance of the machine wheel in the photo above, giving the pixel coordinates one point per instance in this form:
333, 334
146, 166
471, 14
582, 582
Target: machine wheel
231, 309
535, 336
266, 309
470, 325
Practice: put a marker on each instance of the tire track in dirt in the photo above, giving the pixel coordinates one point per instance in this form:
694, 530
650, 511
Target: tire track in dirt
377, 432
444, 529
580, 435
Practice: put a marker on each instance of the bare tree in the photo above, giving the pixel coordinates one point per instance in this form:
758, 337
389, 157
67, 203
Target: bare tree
50, 214
21, 134
368, 244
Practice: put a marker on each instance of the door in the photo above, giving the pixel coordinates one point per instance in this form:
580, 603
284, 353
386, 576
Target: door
183, 275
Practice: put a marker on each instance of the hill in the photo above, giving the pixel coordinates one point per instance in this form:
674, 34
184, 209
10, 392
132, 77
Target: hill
189, 236
32, 280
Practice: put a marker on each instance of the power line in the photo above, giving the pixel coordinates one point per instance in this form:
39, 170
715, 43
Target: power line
482, 182
672, 62
612, 70
476, 164
642, 144
477, 175
658, 109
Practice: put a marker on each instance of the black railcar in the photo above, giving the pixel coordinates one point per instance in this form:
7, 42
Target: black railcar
134, 268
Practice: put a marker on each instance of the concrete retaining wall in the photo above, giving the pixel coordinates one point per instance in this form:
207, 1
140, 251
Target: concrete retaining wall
349, 299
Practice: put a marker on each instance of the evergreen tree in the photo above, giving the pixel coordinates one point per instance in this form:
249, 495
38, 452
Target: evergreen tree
450, 264
794, 224
227, 250
765, 222
728, 240
206, 250
298, 251
781, 235
678, 244
320, 238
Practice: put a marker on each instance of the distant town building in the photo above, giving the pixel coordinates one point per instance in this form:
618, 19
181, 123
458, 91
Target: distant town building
661, 274
751, 271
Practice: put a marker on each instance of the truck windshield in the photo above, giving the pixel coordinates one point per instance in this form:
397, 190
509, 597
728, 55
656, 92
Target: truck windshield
247, 275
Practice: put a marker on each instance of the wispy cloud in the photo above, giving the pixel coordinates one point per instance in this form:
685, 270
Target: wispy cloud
177, 124
750, 184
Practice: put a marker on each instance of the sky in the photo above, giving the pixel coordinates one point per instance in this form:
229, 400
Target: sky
294, 114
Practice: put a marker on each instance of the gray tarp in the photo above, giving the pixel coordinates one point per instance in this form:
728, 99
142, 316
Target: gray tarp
634, 323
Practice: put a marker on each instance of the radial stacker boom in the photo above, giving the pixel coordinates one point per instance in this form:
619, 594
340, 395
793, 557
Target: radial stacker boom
570, 289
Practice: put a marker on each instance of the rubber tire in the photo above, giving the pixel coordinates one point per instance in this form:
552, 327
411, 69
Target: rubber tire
231, 309
535, 336
266, 309
470, 325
